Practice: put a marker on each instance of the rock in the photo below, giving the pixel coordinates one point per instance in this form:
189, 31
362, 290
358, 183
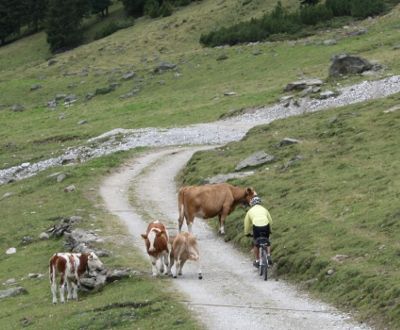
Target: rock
128, 75
11, 250
392, 109
220, 178
255, 159
117, 274
51, 62
17, 108
229, 94
345, 64
287, 141
356, 32
10, 281
12, 292
26, 240
89, 96
327, 94
222, 57
60, 97
52, 104
35, 275
329, 42
35, 87
164, 66
257, 52
330, 272
130, 94
70, 188
71, 98
82, 122
302, 84
340, 257
43, 236
103, 91
61, 177
93, 283
6, 195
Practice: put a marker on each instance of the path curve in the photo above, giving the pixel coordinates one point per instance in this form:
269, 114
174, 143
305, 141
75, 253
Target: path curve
231, 295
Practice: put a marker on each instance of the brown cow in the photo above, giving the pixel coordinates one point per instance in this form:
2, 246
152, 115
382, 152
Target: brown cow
156, 240
184, 247
209, 201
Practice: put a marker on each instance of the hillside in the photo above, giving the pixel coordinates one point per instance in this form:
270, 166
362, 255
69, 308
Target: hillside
49, 103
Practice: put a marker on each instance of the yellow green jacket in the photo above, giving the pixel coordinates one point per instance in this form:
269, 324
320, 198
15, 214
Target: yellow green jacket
257, 216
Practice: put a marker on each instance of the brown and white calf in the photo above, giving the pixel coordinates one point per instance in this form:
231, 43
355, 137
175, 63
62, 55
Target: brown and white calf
184, 247
70, 267
156, 240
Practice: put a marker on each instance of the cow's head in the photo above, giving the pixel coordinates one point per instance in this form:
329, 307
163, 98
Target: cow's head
94, 262
151, 237
249, 194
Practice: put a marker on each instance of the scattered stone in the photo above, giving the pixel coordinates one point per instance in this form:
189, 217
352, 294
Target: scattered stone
330, 272
291, 161
12, 292
103, 91
89, 96
35, 87
345, 64
392, 109
26, 240
60, 97
10, 281
128, 75
93, 283
25, 321
61, 116
44, 236
35, 275
220, 178
118, 274
52, 104
6, 195
229, 94
17, 108
287, 141
286, 98
329, 42
82, 122
356, 32
164, 66
71, 98
222, 57
51, 62
70, 188
257, 52
255, 159
327, 94
61, 177
302, 84
130, 94
11, 250
340, 257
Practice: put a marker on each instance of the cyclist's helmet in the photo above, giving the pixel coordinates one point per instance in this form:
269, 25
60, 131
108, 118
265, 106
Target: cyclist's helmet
255, 200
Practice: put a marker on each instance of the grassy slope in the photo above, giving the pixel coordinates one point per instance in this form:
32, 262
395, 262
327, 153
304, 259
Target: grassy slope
195, 96
341, 199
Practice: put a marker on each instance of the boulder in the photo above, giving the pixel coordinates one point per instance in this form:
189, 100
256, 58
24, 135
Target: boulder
302, 84
255, 159
118, 274
43, 236
11, 250
220, 178
345, 64
287, 141
164, 66
35, 87
11, 292
128, 75
70, 188
17, 108
10, 281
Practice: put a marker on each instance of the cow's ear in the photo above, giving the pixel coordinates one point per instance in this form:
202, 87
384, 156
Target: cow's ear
144, 236
249, 190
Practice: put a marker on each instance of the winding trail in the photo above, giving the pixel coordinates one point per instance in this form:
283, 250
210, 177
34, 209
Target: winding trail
231, 295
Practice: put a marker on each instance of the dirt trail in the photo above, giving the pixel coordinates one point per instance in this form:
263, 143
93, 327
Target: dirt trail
231, 294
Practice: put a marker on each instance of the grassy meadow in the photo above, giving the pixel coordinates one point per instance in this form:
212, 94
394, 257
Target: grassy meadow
341, 198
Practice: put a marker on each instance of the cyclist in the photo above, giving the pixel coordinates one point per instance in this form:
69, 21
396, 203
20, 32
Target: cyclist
259, 221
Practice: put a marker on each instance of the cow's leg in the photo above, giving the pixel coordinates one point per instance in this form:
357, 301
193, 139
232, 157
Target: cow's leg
177, 268
62, 288
171, 263
74, 290
221, 219
181, 263
166, 263
54, 291
161, 270
154, 266
69, 289
189, 222
180, 221
199, 270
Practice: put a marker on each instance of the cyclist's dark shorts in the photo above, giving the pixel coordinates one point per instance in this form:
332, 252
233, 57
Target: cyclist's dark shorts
261, 231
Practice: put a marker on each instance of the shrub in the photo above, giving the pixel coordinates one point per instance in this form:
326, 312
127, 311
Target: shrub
166, 9
311, 15
339, 7
152, 8
365, 8
113, 27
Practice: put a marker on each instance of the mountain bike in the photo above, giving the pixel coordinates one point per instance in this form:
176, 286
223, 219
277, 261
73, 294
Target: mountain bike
262, 243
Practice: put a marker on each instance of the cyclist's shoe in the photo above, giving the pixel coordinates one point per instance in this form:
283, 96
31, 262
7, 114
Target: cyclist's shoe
256, 264
269, 259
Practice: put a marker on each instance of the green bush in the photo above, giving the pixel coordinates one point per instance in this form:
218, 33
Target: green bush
339, 7
365, 8
113, 27
311, 15
152, 8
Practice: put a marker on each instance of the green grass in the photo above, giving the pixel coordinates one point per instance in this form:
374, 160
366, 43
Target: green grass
32, 208
340, 199
355, 217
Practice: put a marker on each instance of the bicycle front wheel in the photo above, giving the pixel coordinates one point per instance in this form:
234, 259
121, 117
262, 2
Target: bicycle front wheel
264, 263
261, 263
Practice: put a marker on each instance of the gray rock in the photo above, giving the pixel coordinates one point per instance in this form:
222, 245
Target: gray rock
11, 292
255, 159
82, 122
330, 272
6, 195
89, 96
340, 257
10, 281
11, 250
118, 274
17, 108
60, 97
222, 57
164, 66
35, 275
70, 98
302, 84
356, 32
103, 90
229, 94
327, 94
52, 104
329, 42
130, 94
61, 177
128, 75
70, 188
26, 240
287, 141
35, 87
220, 178
44, 236
345, 64
93, 283
392, 109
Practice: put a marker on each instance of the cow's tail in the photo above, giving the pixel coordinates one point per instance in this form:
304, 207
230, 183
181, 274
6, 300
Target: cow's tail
52, 271
181, 207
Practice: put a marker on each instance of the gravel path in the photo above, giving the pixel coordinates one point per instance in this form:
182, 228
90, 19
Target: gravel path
219, 132
231, 294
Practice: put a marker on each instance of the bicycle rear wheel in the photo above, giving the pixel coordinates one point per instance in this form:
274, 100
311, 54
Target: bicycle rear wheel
264, 263
260, 266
